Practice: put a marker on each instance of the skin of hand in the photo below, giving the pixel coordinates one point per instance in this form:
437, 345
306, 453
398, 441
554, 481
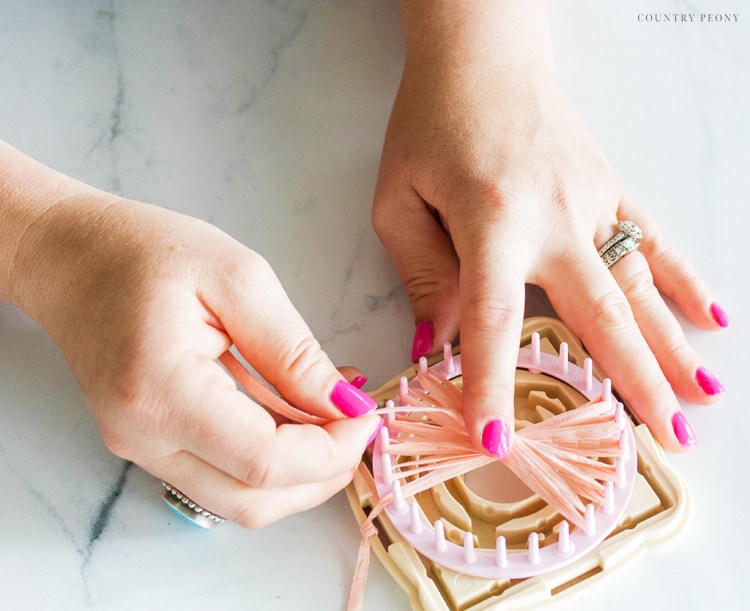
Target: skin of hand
141, 302
489, 180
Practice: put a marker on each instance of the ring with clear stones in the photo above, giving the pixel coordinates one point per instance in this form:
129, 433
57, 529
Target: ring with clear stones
625, 242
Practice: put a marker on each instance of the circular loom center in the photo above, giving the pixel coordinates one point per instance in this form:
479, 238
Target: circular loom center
497, 484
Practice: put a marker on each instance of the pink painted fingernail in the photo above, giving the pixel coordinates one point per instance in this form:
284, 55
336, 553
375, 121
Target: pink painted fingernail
351, 400
375, 432
359, 381
422, 343
720, 316
683, 431
709, 382
495, 438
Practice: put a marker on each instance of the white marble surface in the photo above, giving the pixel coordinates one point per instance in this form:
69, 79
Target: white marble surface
266, 118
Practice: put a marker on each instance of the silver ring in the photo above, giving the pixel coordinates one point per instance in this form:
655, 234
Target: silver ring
187, 509
625, 242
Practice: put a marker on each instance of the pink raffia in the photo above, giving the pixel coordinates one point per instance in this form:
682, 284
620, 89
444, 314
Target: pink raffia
260, 391
560, 458
566, 460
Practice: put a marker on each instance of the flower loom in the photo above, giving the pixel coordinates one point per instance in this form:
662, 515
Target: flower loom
488, 535
461, 530
425, 443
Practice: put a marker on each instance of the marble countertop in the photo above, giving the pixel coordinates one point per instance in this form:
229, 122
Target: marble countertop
266, 119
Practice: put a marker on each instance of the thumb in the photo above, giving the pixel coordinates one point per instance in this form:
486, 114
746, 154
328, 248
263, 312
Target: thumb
492, 306
426, 261
259, 318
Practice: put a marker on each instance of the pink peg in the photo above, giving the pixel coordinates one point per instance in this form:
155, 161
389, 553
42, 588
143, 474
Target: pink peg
389, 417
564, 547
536, 353
398, 503
415, 522
470, 556
423, 364
534, 557
387, 467
440, 544
385, 439
403, 389
590, 520
624, 445
449, 365
620, 414
609, 498
563, 358
588, 374
607, 390
501, 552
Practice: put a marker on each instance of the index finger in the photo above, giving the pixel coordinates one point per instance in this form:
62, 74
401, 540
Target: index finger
227, 429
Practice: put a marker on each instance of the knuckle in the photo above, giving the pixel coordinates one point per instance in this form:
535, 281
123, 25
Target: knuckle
260, 472
115, 442
255, 516
424, 287
381, 218
657, 247
668, 258
259, 476
674, 348
302, 357
611, 309
679, 355
639, 283
127, 422
662, 389
490, 312
247, 268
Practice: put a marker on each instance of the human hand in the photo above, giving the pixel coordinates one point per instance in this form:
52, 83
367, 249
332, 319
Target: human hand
141, 302
489, 180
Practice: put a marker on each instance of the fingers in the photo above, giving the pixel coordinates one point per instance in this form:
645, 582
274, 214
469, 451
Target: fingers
228, 430
256, 312
599, 312
667, 271
424, 257
663, 333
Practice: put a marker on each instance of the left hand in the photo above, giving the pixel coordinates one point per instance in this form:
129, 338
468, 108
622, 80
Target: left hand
489, 180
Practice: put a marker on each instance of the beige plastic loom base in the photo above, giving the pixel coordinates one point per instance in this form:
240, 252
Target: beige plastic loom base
658, 511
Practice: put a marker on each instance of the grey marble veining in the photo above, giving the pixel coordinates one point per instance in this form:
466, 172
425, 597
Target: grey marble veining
266, 119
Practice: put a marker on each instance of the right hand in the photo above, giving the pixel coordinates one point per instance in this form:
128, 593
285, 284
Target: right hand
142, 301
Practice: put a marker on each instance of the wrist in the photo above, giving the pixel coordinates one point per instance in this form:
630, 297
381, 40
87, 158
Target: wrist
38, 205
511, 37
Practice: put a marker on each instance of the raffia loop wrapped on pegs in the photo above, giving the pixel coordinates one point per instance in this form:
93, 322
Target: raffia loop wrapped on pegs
560, 458
567, 460
557, 458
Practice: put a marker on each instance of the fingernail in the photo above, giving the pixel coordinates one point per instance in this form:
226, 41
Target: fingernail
720, 316
375, 432
683, 431
359, 381
495, 438
709, 382
351, 400
422, 340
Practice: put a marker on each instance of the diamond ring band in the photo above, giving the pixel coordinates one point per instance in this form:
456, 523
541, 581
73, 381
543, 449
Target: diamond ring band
625, 242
